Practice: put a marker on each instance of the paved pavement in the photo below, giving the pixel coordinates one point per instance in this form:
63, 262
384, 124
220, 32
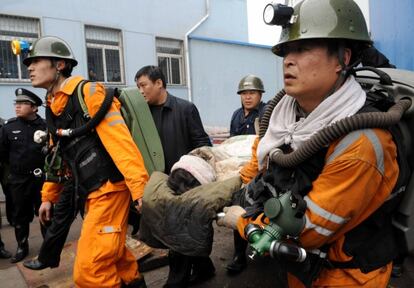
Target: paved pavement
260, 274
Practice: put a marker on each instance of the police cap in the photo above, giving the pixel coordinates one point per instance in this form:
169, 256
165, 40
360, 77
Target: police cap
24, 95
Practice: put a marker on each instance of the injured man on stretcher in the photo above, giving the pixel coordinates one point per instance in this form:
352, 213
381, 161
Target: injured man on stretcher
178, 210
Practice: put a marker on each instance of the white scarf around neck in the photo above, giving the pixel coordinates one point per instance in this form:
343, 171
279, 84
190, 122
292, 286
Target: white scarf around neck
284, 129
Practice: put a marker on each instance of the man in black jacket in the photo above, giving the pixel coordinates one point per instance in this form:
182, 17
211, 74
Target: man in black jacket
180, 129
177, 120
17, 147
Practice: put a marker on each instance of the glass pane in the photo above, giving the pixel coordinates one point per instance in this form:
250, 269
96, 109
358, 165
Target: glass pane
175, 71
8, 61
113, 68
169, 50
163, 64
169, 46
95, 64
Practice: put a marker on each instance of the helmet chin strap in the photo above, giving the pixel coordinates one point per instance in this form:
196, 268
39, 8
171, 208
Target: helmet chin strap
52, 86
343, 74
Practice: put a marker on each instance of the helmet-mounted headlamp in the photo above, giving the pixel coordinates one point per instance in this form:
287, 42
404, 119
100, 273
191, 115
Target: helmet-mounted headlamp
278, 14
19, 46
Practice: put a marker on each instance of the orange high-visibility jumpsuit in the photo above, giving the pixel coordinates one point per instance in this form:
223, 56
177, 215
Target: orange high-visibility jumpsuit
102, 259
359, 174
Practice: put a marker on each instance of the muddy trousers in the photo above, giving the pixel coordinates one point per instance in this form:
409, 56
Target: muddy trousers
58, 229
102, 259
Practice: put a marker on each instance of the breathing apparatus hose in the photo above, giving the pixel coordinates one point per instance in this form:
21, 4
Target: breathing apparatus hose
328, 134
264, 121
90, 125
95, 120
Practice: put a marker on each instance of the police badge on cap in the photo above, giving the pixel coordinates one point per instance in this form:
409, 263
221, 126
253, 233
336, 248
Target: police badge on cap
24, 95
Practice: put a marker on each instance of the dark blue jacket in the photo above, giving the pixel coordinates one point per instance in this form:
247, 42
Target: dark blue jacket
241, 125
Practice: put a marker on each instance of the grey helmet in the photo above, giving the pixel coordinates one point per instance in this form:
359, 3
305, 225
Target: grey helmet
328, 19
250, 82
50, 47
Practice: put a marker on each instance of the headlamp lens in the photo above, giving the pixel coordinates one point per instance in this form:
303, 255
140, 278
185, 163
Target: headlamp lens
277, 14
268, 14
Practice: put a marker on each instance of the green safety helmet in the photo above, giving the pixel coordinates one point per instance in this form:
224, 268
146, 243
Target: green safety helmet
50, 47
250, 82
329, 19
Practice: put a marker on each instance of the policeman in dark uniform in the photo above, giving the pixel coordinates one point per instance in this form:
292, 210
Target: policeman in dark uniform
3, 252
17, 147
4, 172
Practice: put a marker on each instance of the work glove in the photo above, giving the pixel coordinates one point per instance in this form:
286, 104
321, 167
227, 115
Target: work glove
231, 216
40, 136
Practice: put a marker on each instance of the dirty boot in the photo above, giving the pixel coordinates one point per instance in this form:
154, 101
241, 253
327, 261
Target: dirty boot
22, 235
4, 254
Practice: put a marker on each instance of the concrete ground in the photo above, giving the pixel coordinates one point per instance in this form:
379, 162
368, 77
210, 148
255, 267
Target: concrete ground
262, 273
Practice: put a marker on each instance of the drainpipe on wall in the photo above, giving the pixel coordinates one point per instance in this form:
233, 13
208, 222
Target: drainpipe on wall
186, 49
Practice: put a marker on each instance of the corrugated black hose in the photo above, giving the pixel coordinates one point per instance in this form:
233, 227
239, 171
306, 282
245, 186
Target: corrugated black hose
328, 134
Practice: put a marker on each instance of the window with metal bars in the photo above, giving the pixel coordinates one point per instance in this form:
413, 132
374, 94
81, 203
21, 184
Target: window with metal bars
170, 60
104, 53
15, 28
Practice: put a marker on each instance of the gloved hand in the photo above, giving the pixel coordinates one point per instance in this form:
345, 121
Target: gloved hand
232, 215
40, 136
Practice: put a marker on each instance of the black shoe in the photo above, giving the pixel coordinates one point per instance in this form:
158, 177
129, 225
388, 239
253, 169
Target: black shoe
238, 264
35, 264
4, 254
201, 276
21, 253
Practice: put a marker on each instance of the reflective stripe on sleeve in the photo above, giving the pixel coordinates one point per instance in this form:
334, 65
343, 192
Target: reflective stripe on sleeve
349, 139
114, 113
118, 120
316, 228
115, 122
316, 209
379, 152
92, 88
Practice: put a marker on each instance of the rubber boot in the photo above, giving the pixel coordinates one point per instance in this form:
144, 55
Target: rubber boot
22, 235
239, 259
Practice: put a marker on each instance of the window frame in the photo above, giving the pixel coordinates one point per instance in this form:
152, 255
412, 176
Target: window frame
98, 44
180, 57
8, 35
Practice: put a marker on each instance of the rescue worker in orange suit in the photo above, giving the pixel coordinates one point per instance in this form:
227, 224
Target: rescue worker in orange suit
24, 156
354, 175
104, 163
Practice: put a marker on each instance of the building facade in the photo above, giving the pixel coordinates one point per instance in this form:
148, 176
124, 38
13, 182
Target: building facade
202, 46
392, 30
